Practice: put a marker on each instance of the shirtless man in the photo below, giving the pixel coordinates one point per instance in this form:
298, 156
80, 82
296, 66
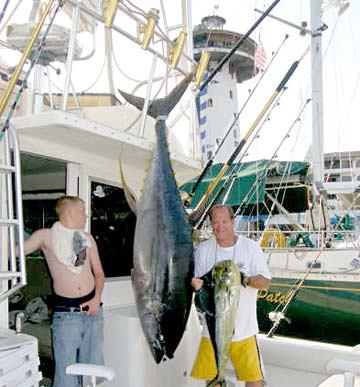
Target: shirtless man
78, 280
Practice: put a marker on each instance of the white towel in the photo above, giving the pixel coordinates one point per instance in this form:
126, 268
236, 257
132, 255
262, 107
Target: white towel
69, 246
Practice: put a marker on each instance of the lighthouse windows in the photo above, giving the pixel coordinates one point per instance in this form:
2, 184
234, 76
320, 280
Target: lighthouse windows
231, 94
210, 102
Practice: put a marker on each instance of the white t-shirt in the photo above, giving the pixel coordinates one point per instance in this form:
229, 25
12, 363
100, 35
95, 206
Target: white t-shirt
248, 255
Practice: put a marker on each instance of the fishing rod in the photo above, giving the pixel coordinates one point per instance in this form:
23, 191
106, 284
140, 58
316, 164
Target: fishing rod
281, 315
188, 199
2, 14
242, 143
287, 134
237, 45
233, 174
254, 185
20, 65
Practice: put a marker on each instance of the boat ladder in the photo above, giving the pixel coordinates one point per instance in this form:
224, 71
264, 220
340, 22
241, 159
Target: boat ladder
12, 260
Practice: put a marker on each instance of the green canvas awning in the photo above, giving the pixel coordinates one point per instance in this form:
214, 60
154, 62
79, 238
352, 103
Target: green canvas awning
247, 181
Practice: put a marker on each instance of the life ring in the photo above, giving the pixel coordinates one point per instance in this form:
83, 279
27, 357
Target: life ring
272, 238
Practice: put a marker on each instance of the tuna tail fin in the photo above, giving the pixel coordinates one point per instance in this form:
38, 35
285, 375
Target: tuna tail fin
161, 106
130, 198
138, 102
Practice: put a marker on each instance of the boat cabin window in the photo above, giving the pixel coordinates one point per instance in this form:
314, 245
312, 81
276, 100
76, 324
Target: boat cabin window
43, 182
112, 225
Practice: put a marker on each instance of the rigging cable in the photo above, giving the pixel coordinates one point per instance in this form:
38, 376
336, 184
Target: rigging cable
236, 118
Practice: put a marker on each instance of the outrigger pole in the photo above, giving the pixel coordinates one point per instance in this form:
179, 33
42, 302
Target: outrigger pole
237, 45
210, 162
215, 182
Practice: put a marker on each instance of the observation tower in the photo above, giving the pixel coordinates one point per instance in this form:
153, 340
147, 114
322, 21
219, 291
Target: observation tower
218, 103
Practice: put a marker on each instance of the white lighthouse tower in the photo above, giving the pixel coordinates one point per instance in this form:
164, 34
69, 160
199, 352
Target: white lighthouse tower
218, 103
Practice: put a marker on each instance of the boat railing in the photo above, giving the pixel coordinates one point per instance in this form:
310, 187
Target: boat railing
277, 239
273, 238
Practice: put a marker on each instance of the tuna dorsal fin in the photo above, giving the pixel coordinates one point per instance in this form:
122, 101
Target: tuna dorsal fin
161, 106
130, 198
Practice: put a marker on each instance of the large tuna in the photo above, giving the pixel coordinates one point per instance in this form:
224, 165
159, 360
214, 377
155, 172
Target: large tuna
163, 249
219, 299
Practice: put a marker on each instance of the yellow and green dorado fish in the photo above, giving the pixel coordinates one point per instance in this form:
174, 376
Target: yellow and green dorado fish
219, 299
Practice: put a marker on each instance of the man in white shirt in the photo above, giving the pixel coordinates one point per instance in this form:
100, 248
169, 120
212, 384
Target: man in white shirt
247, 254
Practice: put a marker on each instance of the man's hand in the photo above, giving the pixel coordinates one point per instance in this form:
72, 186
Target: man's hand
245, 280
197, 283
91, 308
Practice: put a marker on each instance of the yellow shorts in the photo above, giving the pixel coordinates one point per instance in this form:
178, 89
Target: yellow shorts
244, 355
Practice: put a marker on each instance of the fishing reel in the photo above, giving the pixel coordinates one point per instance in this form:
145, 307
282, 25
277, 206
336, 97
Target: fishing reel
276, 317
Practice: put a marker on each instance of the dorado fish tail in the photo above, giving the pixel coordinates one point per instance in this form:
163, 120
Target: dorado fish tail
217, 382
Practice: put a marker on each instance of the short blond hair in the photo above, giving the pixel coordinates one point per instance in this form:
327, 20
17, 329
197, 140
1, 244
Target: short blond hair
64, 202
217, 206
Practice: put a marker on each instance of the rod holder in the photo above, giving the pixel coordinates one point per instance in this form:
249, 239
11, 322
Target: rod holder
109, 7
176, 49
149, 29
201, 68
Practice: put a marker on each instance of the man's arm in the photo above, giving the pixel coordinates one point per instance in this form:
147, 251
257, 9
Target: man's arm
34, 242
257, 282
99, 278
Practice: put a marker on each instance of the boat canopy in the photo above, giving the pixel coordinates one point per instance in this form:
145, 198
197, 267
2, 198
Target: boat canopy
247, 181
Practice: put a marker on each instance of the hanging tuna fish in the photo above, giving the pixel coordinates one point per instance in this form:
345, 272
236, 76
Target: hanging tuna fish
163, 249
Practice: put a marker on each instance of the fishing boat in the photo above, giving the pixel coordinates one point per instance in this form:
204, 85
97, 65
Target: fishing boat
304, 215
68, 142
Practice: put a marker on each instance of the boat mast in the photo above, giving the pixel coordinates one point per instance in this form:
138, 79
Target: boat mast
317, 95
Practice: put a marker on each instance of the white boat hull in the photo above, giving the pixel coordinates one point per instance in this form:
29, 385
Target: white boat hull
299, 363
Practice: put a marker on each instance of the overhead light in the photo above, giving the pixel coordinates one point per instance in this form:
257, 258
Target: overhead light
149, 29
110, 8
201, 67
176, 49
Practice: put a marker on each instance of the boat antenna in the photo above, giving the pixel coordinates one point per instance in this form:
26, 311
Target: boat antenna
201, 204
187, 201
237, 45
20, 65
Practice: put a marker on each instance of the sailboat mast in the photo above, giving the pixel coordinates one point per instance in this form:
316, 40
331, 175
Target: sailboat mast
317, 95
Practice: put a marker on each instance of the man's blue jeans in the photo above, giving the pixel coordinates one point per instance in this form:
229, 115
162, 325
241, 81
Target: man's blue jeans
76, 338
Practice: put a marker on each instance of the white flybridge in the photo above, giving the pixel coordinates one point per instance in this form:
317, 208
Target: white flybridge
68, 147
